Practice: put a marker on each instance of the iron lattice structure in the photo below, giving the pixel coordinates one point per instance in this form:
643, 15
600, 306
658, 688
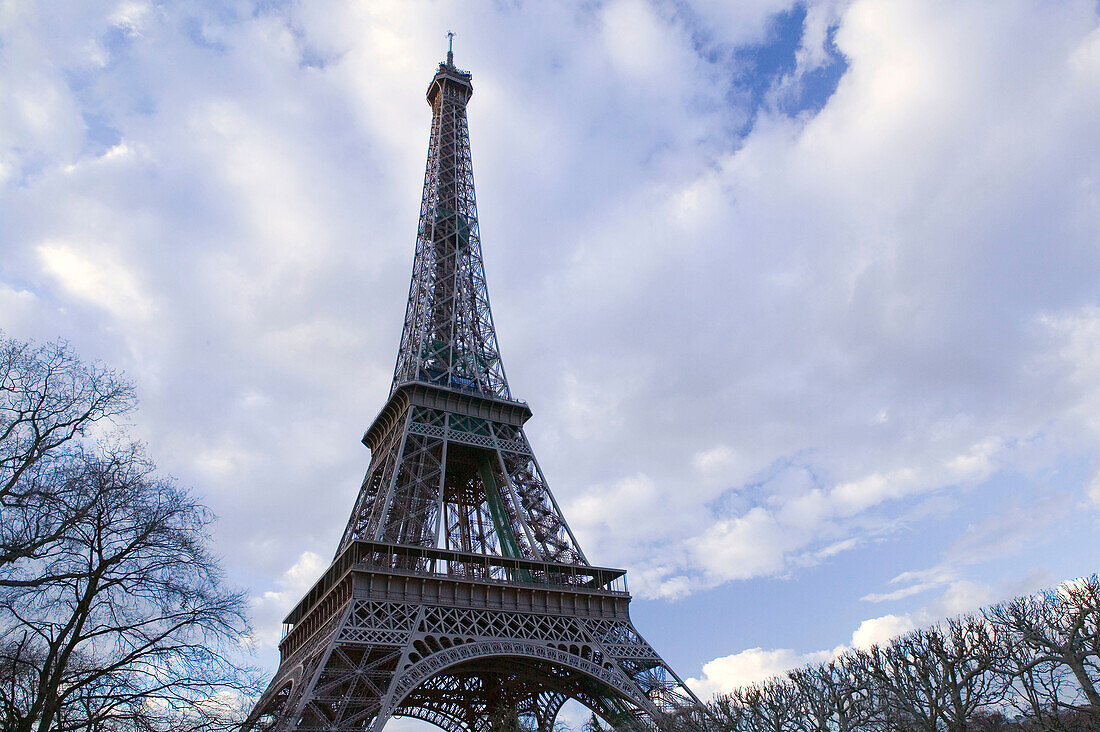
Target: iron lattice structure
458, 594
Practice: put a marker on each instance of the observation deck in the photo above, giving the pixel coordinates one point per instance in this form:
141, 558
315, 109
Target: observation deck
422, 575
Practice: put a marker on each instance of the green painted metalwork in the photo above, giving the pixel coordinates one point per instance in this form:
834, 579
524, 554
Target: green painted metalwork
461, 224
509, 546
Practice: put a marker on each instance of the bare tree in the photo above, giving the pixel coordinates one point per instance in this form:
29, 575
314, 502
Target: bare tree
1048, 646
857, 695
906, 674
940, 676
874, 709
1035, 687
1030, 664
815, 707
727, 714
1079, 618
833, 695
49, 399
964, 650
134, 629
770, 706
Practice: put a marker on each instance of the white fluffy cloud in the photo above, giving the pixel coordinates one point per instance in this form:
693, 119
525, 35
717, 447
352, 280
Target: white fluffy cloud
270, 607
874, 631
891, 270
726, 673
100, 279
759, 341
755, 664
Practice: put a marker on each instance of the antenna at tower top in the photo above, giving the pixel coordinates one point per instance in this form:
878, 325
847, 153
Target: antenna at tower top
450, 48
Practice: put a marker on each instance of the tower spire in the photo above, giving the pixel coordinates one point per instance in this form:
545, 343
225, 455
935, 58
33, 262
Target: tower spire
450, 48
448, 338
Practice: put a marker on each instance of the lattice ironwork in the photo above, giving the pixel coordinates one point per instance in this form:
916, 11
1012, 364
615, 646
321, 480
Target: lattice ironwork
459, 594
393, 658
448, 337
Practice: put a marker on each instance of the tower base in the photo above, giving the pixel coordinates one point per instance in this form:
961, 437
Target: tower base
466, 642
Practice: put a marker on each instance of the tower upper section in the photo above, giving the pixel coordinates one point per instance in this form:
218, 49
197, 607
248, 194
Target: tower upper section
448, 337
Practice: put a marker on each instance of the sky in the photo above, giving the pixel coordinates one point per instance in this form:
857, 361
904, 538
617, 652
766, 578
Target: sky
805, 297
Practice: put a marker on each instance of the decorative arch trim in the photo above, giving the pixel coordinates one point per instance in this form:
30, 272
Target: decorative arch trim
421, 671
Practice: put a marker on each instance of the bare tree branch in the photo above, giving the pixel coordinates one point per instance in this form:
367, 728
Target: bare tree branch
49, 400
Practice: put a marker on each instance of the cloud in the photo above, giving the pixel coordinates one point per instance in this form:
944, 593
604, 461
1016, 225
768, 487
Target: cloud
904, 592
761, 338
746, 546
755, 664
270, 607
726, 673
17, 303
1010, 531
875, 631
720, 463
867, 212
102, 280
963, 597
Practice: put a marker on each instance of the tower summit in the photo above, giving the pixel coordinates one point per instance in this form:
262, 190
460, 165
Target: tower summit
458, 594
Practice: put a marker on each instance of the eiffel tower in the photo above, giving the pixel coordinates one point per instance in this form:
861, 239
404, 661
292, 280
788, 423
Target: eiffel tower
459, 594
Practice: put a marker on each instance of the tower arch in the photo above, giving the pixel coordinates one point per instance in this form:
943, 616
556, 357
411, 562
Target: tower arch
610, 679
536, 683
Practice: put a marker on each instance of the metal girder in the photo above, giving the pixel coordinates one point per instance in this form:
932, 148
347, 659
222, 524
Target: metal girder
441, 478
